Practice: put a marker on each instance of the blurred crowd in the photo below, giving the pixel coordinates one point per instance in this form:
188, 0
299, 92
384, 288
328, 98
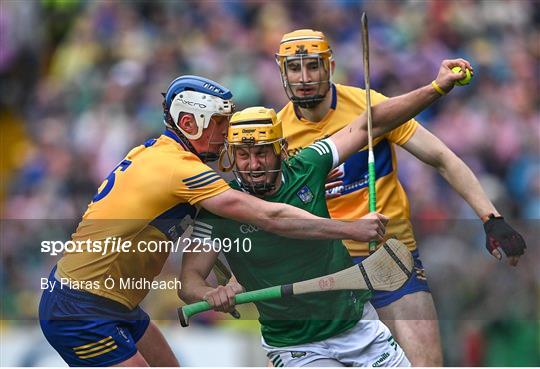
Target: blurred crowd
82, 82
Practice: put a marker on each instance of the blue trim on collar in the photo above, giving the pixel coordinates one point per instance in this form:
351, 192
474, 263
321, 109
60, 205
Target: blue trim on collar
173, 135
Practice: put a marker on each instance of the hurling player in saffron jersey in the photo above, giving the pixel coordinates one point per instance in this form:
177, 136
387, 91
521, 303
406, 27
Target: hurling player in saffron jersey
317, 109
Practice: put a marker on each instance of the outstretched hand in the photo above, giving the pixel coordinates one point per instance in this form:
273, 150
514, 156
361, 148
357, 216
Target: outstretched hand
500, 236
446, 78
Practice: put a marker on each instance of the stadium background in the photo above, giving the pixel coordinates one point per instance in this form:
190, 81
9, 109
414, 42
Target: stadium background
81, 84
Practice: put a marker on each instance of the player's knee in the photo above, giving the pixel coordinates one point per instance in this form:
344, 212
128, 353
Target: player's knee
136, 360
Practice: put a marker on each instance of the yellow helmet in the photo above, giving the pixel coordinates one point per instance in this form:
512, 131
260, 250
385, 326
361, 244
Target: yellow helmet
303, 42
298, 46
251, 127
256, 126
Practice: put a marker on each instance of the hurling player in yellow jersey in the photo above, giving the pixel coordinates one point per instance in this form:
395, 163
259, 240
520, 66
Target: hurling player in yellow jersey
317, 109
90, 315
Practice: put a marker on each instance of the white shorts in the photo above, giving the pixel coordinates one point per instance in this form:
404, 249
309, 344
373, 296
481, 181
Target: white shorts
368, 343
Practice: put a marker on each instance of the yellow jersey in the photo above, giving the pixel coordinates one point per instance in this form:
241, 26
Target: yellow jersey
150, 196
347, 104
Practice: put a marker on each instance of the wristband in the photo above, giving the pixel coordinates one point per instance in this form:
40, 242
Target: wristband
438, 88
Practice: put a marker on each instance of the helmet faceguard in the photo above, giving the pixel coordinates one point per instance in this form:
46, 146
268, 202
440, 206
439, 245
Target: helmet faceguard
254, 133
201, 97
303, 49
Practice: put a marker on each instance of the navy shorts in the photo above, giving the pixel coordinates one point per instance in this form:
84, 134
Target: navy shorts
89, 330
418, 282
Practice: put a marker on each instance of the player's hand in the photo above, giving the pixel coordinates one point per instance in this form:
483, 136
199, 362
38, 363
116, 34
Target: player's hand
446, 78
500, 236
333, 181
222, 297
371, 227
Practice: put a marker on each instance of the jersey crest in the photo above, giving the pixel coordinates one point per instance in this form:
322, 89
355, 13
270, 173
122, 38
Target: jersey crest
305, 194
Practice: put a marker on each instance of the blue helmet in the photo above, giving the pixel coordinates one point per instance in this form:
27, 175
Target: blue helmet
198, 96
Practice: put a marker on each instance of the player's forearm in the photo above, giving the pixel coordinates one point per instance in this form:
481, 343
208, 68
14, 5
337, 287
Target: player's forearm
395, 111
292, 222
386, 116
194, 287
465, 183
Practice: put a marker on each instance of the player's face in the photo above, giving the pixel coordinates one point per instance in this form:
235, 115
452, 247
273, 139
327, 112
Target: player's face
213, 137
257, 165
307, 77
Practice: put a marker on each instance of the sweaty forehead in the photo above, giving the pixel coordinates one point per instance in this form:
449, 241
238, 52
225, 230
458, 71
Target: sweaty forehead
255, 149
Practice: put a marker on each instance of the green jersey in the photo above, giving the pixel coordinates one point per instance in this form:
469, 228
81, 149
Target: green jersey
274, 260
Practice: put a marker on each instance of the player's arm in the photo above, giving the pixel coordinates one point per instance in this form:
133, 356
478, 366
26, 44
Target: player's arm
395, 111
289, 221
196, 267
428, 148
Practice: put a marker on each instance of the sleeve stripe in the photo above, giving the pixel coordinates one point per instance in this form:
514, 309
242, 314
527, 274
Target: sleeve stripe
211, 180
200, 230
202, 179
320, 147
316, 148
324, 147
197, 176
201, 235
335, 153
202, 224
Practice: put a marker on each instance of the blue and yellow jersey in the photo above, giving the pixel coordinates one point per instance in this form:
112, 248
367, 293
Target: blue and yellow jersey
347, 104
150, 196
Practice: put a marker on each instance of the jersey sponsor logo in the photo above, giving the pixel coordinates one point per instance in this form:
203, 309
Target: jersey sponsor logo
248, 228
305, 194
355, 169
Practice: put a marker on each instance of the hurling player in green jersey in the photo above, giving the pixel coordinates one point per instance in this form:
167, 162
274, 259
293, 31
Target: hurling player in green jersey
337, 328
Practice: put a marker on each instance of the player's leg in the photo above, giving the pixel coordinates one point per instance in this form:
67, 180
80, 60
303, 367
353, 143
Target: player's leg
136, 360
89, 330
155, 349
413, 322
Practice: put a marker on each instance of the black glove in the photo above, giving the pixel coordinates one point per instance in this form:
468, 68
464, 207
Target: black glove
500, 235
